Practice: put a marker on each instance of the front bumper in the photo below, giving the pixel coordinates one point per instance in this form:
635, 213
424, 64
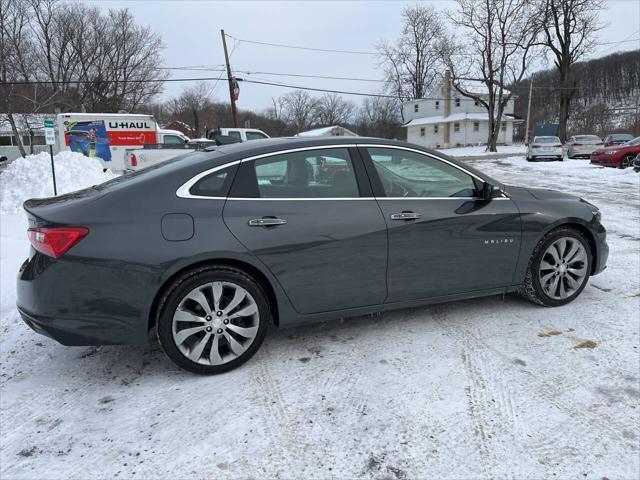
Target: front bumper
606, 160
602, 251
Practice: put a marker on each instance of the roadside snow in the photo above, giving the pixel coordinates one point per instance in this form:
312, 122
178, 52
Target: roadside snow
482, 150
486, 388
30, 177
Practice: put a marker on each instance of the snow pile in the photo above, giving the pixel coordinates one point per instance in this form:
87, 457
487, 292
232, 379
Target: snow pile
478, 150
30, 177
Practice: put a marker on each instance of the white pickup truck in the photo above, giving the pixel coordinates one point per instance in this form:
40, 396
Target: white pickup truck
138, 158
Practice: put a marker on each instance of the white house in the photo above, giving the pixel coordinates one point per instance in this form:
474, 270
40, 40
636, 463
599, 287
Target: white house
445, 118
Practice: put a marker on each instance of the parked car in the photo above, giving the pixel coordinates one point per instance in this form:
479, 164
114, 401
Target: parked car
544, 147
214, 247
241, 134
636, 164
582, 145
617, 139
620, 156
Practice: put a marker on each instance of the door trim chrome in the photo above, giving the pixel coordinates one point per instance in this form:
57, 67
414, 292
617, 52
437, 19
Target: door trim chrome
183, 190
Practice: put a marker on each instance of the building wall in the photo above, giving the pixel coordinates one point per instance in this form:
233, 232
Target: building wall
427, 107
465, 136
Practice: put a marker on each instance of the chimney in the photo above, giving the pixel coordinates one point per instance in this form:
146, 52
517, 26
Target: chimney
446, 94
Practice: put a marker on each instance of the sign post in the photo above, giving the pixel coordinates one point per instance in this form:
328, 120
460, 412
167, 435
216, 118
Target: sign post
50, 137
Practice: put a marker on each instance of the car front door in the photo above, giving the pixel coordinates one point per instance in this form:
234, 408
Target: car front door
310, 217
443, 239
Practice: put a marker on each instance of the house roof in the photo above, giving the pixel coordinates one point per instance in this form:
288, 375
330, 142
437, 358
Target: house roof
456, 117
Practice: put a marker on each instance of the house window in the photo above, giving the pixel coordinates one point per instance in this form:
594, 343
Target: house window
476, 126
476, 103
456, 127
457, 102
503, 127
435, 129
437, 105
423, 131
415, 108
5, 140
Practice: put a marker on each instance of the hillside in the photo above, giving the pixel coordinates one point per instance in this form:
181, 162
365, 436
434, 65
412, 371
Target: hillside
606, 100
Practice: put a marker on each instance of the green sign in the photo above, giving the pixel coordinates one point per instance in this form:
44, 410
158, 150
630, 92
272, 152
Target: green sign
49, 132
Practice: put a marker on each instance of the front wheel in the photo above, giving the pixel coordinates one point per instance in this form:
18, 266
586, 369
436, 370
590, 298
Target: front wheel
627, 161
212, 319
559, 268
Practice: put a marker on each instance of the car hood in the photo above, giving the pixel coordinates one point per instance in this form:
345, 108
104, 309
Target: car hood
537, 193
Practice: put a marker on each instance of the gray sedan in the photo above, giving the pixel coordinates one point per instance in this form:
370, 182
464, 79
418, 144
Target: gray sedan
583, 145
212, 248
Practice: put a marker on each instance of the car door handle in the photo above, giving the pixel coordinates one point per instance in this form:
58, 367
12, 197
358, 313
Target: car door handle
405, 216
266, 222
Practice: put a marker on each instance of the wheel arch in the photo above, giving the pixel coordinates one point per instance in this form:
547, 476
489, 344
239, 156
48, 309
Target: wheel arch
582, 228
245, 267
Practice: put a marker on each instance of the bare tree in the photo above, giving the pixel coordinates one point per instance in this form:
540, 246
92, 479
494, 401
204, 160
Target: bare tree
193, 106
332, 109
413, 62
299, 108
378, 117
569, 28
499, 36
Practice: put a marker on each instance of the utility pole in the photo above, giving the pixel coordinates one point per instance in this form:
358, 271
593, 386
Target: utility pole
234, 111
526, 131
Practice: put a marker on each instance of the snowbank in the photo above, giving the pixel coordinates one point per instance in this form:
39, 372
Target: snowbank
482, 150
30, 177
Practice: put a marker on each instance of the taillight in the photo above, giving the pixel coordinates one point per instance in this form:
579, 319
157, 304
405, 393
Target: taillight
577, 144
54, 242
133, 160
535, 146
558, 146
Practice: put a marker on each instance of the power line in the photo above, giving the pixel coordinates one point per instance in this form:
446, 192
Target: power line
298, 47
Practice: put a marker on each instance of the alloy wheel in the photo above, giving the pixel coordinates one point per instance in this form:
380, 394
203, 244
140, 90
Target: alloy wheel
563, 268
215, 323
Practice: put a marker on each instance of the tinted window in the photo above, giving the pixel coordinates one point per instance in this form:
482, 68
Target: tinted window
323, 173
214, 185
231, 133
409, 174
255, 136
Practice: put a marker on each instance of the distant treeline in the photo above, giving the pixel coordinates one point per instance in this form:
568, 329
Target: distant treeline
607, 95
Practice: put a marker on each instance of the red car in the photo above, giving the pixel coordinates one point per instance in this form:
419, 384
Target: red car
619, 156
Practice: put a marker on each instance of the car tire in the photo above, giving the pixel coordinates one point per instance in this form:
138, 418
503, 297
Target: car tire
540, 285
627, 161
204, 334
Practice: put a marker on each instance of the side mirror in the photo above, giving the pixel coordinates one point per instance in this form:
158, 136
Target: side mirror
488, 191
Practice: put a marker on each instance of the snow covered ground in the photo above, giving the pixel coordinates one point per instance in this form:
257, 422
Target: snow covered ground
487, 388
480, 150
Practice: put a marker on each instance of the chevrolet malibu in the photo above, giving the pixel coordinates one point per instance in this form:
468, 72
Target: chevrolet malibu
212, 248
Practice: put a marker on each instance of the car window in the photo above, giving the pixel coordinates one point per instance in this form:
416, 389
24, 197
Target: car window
325, 173
587, 138
255, 136
214, 185
173, 140
410, 174
235, 134
546, 140
635, 141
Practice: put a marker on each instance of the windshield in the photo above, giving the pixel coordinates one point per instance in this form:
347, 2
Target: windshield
546, 140
635, 141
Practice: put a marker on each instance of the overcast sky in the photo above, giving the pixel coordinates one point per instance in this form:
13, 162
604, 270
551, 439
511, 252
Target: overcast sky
191, 34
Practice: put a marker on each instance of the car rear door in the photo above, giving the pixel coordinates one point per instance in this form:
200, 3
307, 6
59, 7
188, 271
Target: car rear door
309, 216
442, 239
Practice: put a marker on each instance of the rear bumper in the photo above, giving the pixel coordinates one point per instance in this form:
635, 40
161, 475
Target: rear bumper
81, 304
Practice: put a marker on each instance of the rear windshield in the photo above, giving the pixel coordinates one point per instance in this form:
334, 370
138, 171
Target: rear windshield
588, 138
546, 140
159, 167
621, 136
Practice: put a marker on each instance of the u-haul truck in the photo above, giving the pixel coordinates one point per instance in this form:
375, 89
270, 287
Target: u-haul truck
105, 136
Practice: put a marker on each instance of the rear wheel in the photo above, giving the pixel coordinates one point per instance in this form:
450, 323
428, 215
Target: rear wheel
559, 268
212, 320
